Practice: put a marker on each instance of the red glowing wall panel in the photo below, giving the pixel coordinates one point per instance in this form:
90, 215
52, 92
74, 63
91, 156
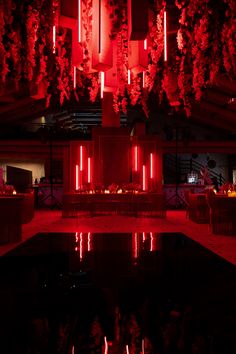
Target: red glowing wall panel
77, 50
109, 117
137, 19
138, 56
101, 42
111, 81
69, 8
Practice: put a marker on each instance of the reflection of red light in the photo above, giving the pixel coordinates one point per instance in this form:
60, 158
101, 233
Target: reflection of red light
77, 177
81, 157
136, 158
135, 245
74, 77
145, 44
79, 21
81, 245
76, 237
102, 83
144, 178
129, 76
89, 169
89, 241
151, 165
143, 346
54, 39
144, 236
151, 242
106, 345
165, 37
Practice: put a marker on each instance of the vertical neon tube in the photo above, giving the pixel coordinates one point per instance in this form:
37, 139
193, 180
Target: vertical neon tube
143, 346
81, 157
144, 236
151, 165
77, 177
106, 345
99, 28
81, 246
129, 77
135, 245
165, 37
89, 242
145, 44
102, 82
151, 242
74, 77
127, 349
73, 350
89, 169
54, 39
143, 79
79, 21
136, 158
144, 178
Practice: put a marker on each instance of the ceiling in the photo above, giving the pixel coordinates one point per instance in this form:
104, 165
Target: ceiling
19, 108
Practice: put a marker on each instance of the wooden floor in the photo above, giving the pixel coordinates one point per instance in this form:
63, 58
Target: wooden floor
176, 221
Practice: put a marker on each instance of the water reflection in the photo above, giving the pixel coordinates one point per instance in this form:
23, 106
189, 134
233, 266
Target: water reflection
115, 293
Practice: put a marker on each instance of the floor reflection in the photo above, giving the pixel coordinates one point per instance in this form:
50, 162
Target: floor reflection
116, 293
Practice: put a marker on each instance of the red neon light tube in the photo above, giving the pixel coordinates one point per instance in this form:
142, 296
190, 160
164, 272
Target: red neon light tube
151, 242
136, 158
79, 21
89, 242
144, 178
165, 37
81, 157
151, 165
145, 44
129, 77
102, 82
143, 79
81, 245
77, 177
89, 169
54, 39
74, 77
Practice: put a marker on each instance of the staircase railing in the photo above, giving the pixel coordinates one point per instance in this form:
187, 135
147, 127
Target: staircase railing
186, 166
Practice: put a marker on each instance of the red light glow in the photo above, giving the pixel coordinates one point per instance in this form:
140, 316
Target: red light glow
74, 77
135, 245
106, 345
136, 158
77, 177
151, 242
81, 246
144, 236
79, 21
81, 157
165, 37
127, 349
143, 79
54, 39
102, 82
144, 178
89, 242
145, 44
129, 76
89, 169
143, 346
151, 165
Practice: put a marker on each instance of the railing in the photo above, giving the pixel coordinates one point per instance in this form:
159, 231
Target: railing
184, 166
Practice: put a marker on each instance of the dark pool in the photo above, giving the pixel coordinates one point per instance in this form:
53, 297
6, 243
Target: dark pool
116, 293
